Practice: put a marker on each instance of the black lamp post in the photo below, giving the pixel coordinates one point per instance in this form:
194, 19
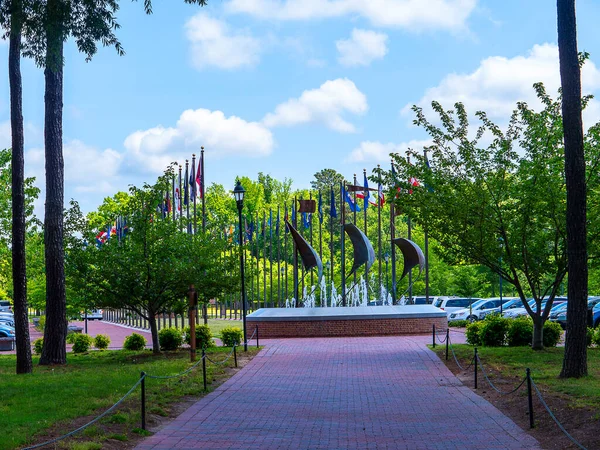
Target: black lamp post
238, 193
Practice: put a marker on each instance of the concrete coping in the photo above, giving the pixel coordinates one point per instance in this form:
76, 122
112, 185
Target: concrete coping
345, 313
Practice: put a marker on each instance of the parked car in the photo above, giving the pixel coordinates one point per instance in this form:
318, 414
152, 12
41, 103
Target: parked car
94, 314
557, 310
6, 331
596, 315
561, 315
477, 310
452, 304
6, 321
5, 305
422, 300
507, 302
521, 312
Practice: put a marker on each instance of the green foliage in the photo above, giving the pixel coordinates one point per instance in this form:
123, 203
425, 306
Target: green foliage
204, 337
589, 336
71, 337
472, 333
41, 324
170, 338
596, 337
134, 342
493, 330
38, 345
101, 341
458, 323
82, 343
552, 334
231, 336
520, 332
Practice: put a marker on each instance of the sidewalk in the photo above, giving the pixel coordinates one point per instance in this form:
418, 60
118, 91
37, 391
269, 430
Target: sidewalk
342, 393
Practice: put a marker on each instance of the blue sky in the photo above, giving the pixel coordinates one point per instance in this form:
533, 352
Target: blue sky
287, 87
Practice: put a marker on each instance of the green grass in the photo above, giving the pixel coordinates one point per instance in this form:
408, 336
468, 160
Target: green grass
89, 384
215, 325
510, 363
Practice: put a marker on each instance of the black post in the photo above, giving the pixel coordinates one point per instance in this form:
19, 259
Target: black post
278, 261
264, 261
235, 355
202, 190
410, 292
243, 277
204, 367
195, 191
256, 336
530, 399
295, 250
379, 206
475, 358
447, 341
343, 238
433, 335
143, 385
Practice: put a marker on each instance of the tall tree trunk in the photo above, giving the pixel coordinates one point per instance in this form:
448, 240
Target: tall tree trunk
24, 364
538, 333
55, 333
575, 358
154, 332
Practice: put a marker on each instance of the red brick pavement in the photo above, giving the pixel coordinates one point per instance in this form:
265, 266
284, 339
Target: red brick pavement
342, 393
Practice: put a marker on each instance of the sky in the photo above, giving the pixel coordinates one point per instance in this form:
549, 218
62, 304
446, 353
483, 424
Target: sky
287, 87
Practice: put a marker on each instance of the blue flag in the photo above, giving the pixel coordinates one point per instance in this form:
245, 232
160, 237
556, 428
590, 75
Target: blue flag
293, 214
332, 211
192, 184
305, 220
250, 231
320, 209
353, 206
367, 194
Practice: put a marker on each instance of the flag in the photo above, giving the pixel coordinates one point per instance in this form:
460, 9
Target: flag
101, 238
192, 184
286, 218
381, 196
177, 195
270, 223
186, 187
277, 224
332, 211
305, 220
429, 188
249, 231
367, 195
353, 206
200, 176
395, 180
107, 233
293, 215
320, 208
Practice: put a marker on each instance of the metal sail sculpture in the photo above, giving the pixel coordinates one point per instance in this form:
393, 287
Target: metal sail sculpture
309, 256
412, 254
364, 253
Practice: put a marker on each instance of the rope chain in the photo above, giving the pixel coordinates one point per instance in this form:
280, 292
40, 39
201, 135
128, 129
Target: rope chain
492, 384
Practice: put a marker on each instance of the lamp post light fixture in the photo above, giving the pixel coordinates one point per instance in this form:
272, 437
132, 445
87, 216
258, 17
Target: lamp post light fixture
238, 193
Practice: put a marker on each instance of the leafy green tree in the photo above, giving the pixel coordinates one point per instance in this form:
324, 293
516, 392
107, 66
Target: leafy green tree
575, 359
472, 195
150, 269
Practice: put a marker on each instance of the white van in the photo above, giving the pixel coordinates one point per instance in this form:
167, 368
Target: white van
451, 304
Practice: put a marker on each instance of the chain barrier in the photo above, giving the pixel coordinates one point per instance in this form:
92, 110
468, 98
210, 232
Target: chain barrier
443, 341
492, 384
251, 337
456, 359
90, 422
185, 372
218, 363
539, 394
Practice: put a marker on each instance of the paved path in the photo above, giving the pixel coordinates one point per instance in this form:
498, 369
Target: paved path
342, 393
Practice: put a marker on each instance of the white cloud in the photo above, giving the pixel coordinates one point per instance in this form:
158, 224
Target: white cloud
362, 48
409, 14
213, 43
379, 152
499, 83
325, 104
154, 149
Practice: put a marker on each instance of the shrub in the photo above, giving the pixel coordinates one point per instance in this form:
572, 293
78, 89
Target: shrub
82, 343
38, 344
41, 323
589, 336
520, 332
552, 334
71, 337
231, 336
596, 337
472, 333
203, 336
134, 342
101, 341
170, 339
493, 330
458, 323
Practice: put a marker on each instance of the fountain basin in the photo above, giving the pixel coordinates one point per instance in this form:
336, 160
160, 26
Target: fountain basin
346, 321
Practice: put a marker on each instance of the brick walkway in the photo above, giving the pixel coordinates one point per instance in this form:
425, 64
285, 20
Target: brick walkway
342, 393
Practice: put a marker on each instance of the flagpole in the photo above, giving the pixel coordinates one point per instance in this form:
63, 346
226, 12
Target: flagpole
312, 279
187, 194
264, 260
285, 252
343, 257
271, 257
380, 205
202, 189
409, 237
250, 247
365, 206
426, 252
295, 220
257, 260
355, 208
278, 261
331, 251
393, 249
180, 203
173, 203
320, 214
195, 191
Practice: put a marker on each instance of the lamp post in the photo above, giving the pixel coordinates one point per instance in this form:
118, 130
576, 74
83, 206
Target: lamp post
238, 193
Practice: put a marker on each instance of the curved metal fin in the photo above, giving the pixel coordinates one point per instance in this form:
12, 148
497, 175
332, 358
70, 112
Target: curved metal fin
364, 253
412, 254
308, 255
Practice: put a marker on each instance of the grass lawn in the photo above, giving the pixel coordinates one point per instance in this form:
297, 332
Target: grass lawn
215, 325
52, 398
575, 402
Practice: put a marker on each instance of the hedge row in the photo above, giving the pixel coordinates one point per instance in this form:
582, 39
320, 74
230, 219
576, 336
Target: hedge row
495, 331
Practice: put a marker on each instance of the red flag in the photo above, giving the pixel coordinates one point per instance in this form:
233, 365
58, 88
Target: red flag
200, 176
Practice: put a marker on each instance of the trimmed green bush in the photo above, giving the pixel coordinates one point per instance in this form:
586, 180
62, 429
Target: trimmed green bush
472, 333
170, 339
101, 341
41, 324
71, 337
38, 344
552, 334
82, 343
520, 332
204, 337
458, 323
596, 337
493, 331
231, 336
134, 342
